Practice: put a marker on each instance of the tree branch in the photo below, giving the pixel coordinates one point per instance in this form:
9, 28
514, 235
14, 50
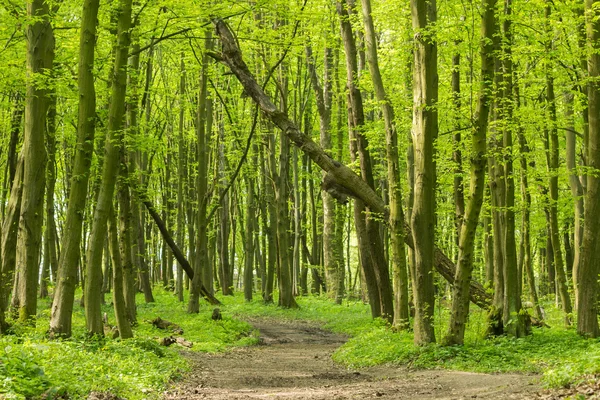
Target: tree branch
340, 173
160, 39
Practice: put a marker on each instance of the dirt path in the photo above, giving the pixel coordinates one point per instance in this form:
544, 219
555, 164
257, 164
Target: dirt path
294, 362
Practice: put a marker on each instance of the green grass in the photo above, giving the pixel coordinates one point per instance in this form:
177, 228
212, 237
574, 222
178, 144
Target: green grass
559, 354
32, 366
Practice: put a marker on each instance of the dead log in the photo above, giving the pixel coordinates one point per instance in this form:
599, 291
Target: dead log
337, 172
169, 340
182, 342
163, 324
216, 314
166, 341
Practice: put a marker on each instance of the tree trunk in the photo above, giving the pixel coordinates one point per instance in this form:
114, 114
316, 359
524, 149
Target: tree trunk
122, 314
587, 273
137, 161
468, 227
424, 134
249, 239
323, 96
224, 225
271, 228
341, 176
559, 268
50, 263
110, 169
513, 317
527, 262
201, 239
575, 186
125, 239
374, 243
181, 173
396, 218
286, 297
10, 228
40, 58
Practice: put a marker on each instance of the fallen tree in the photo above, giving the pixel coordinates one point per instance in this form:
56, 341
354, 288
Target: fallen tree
340, 178
185, 264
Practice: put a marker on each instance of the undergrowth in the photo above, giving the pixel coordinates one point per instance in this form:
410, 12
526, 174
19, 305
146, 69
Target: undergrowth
31, 366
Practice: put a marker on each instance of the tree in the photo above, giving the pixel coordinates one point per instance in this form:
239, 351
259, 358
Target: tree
40, 58
396, 220
468, 228
62, 304
110, 170
424, 133
587, 273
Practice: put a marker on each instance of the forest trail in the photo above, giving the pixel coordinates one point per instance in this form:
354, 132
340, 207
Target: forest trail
293, 361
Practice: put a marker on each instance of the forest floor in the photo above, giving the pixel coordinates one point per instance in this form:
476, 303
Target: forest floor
294, 361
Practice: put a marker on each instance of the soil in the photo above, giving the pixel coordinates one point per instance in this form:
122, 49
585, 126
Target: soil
294, 361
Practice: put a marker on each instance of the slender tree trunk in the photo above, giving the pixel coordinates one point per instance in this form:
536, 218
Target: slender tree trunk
424, 134
40, 58
587, 273
119, 302
125, 239
286, 297
137, 161
575, 186
374, 243
224, 267
323, 95
468, 227
50, 263
249, 240
513, 317
201, 188
527, 263
10, 228
181, 173
110, 169
12, 155
396, 219
271, 229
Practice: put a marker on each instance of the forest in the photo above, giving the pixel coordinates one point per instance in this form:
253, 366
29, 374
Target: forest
420, 176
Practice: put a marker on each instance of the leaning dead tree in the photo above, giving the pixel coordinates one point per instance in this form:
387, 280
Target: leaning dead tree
340, 178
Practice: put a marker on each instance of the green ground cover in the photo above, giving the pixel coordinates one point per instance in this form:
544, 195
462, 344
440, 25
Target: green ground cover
32, 366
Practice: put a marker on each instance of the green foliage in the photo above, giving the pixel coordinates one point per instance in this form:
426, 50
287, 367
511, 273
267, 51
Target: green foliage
138, 368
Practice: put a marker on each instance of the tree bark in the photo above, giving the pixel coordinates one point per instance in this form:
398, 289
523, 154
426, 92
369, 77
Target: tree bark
587, 273
513, 317
468, 227
201, 239
40, 58
424, 134
396, 217
110, 170
119, 302
10, 227
331, 245
559, 268
356, 120
575, 186
50, 262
